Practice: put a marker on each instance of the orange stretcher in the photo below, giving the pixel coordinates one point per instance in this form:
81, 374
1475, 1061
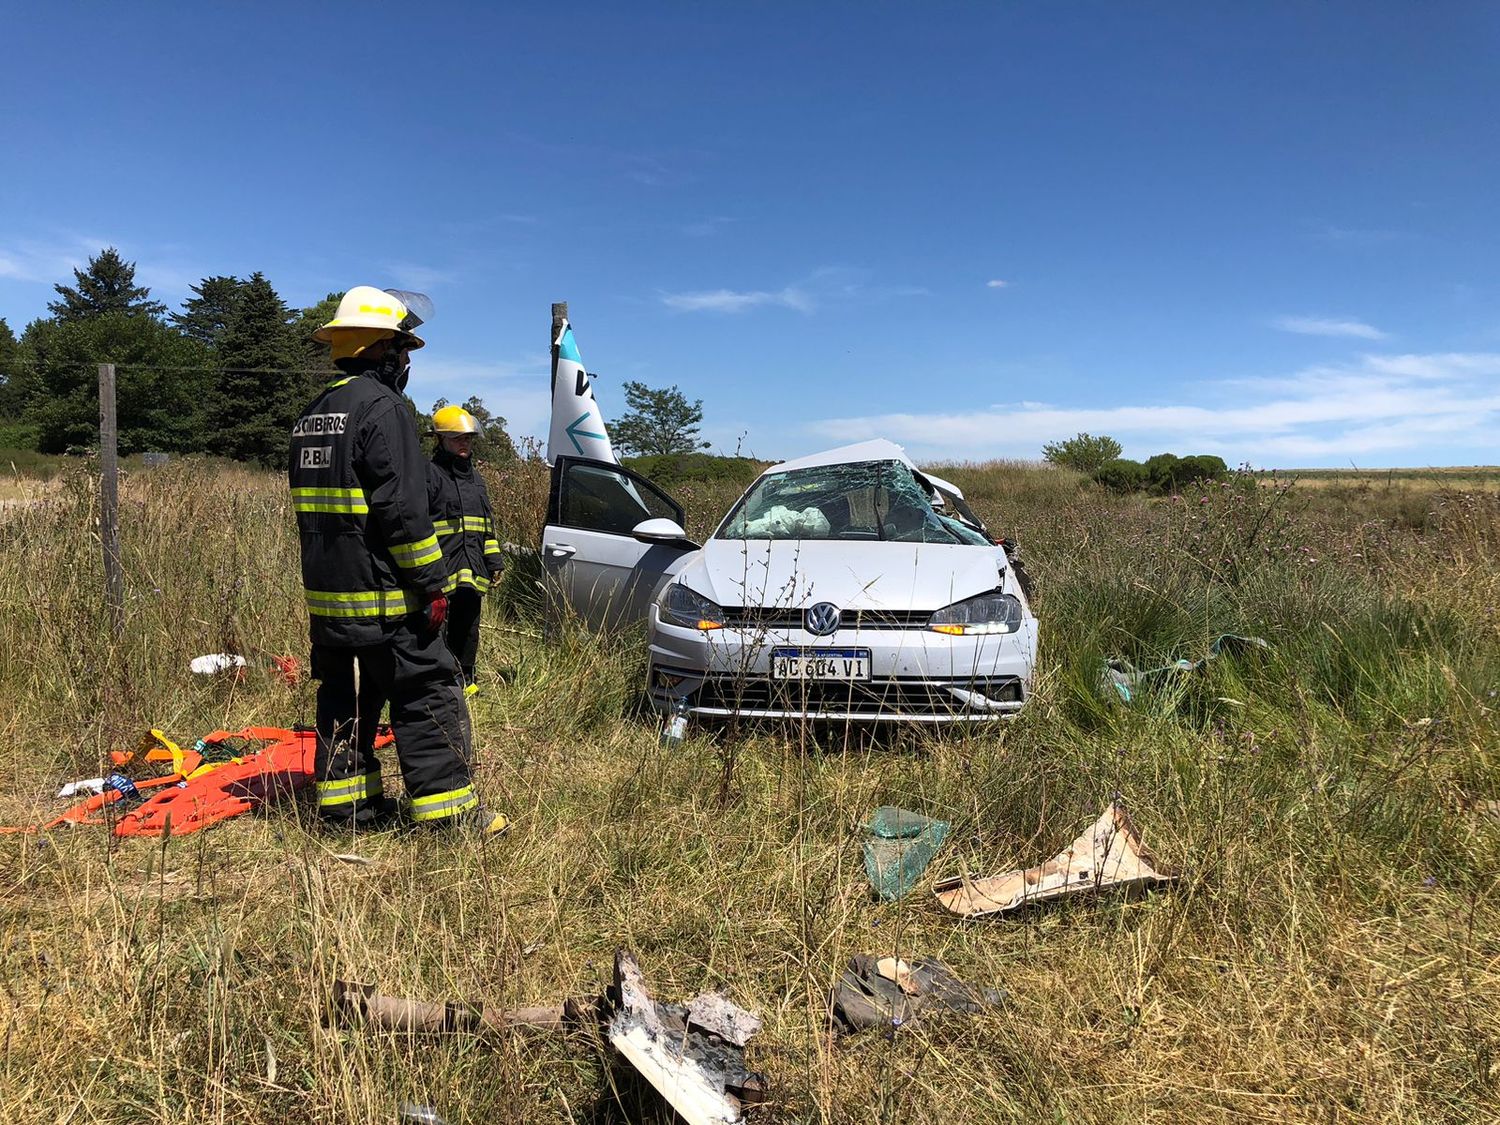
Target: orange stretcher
201, 792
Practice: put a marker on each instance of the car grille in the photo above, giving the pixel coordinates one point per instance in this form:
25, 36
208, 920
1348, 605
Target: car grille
914, 697
757, 617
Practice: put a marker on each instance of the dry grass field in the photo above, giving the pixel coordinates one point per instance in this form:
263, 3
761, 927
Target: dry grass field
1332, 953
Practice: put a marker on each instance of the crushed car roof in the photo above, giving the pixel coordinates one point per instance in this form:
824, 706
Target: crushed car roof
877, 450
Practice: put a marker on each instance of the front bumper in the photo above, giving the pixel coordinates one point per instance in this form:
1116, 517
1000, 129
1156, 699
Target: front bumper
916, 676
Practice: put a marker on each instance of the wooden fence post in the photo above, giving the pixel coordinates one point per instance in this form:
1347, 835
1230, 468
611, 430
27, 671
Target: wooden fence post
559, 314
109, 500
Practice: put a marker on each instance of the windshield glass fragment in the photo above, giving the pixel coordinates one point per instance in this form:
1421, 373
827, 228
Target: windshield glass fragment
864, 502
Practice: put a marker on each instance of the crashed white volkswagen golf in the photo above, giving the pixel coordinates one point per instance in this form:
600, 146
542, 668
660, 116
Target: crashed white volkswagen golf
847, 585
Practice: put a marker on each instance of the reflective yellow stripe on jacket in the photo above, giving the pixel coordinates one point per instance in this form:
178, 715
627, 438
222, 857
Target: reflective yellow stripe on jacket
478, 524
345, 501
466, 577
363, 603
420, 553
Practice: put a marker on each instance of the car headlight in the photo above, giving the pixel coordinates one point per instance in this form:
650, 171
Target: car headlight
688, 609
988, 613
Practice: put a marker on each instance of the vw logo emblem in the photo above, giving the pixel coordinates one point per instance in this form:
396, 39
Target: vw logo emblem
822, 619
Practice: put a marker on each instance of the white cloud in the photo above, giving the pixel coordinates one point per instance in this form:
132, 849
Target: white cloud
996, 283
1328, 326
49, 261
733, 301
826, 285
1370, 405
1359, 236
706, 227
409, 275
1441, 365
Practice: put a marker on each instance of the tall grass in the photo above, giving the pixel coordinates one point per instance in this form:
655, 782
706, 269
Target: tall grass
1329, 954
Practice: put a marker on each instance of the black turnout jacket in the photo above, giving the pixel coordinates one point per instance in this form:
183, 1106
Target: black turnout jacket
359, 488
463, 520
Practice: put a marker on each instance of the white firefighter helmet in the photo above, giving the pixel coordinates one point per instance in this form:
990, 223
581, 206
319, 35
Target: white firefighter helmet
391, 310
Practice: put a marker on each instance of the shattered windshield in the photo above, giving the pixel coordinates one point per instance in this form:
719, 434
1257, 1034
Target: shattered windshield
864, 501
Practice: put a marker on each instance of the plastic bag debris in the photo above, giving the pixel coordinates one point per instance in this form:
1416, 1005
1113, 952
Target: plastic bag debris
1124, 679
216, 662
91, 785
287, 669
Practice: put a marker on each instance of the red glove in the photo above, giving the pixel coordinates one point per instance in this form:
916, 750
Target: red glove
435, 612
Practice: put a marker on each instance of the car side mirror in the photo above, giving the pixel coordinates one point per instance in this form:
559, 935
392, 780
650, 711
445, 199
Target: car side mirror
658, 530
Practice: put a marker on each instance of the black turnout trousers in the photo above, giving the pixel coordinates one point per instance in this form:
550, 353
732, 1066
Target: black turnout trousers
465, 607
413, 671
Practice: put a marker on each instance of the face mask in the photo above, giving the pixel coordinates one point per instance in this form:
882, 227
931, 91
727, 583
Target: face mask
394, 370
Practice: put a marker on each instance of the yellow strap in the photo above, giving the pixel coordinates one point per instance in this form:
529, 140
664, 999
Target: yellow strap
166, 744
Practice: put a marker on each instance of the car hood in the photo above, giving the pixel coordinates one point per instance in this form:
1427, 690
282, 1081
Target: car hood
795, 574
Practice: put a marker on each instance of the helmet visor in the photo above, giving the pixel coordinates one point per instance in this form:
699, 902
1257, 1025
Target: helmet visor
418, 307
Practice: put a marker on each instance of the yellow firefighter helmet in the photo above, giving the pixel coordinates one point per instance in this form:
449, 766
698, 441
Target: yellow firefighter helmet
454, 420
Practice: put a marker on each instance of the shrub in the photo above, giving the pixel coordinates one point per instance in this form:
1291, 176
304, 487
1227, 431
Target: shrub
667, 469
1201, 467
1084, 452
1163, 472
1122, 475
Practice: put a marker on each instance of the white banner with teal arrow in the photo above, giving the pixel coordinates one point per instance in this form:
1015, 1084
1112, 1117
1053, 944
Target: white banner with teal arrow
577, 425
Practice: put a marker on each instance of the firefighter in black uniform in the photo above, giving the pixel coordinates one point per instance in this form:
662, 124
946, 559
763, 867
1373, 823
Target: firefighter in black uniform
465, 526
373, 576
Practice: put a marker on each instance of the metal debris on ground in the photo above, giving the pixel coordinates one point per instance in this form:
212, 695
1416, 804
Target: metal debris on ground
1123, 679
1108, 855
889, 992
692, 1054
900, 846
698, 1070
360, 1005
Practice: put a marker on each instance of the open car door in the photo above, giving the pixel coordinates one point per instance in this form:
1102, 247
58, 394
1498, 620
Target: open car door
611, 542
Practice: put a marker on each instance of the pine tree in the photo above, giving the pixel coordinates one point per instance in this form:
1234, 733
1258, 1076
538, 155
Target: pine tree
257, 395
10, 383
107, 286
205, 317
160, 379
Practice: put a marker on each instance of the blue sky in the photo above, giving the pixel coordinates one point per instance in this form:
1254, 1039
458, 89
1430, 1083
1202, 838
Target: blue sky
1267, 231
